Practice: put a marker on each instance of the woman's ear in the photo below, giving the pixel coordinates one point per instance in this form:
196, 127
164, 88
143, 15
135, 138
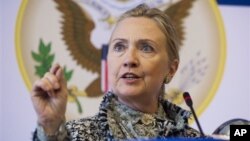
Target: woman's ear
173, 68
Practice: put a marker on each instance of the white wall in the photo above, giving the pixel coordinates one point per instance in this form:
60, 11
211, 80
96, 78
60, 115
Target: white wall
1, 37
233, 96
18, 119
17, 115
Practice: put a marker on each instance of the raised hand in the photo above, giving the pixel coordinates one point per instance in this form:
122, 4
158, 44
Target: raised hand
49, 97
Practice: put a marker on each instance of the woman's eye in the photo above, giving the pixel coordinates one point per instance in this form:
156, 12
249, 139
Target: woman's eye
147, 48
119, 47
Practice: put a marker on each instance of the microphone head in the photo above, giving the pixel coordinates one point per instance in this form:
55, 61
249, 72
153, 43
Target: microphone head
188, 99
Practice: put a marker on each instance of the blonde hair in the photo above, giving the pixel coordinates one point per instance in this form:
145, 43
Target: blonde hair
164, 24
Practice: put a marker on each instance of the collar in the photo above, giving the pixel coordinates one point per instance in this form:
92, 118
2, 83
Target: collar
177, 118
127, 113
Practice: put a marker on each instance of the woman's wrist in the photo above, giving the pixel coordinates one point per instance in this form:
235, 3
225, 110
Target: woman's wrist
45, 133
50, 126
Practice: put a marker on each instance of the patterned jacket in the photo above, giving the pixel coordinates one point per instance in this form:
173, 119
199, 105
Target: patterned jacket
99, 127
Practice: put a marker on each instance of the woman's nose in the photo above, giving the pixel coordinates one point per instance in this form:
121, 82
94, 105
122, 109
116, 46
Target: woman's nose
131, 59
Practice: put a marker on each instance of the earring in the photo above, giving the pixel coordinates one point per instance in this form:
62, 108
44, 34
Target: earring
167, 79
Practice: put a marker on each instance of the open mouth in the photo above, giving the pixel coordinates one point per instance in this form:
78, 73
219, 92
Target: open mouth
130, 76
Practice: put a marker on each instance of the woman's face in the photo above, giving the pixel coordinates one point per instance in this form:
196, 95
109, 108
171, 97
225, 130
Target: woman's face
137, 58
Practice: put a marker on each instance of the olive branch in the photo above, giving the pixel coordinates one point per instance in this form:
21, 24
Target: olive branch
45, 60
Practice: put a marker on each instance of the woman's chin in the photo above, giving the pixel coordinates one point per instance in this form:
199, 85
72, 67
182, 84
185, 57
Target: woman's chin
129, 93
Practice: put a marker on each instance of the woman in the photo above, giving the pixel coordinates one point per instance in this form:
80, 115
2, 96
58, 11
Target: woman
142, 58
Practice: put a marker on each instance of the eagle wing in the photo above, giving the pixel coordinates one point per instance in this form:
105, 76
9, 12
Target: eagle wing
77, 27
177, 12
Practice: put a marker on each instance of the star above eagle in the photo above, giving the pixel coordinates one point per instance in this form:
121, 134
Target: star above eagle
77, 27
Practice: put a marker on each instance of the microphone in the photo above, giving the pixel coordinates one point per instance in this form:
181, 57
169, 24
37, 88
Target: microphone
189, 103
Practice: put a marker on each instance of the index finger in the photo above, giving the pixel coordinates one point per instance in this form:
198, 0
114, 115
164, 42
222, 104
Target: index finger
54, 68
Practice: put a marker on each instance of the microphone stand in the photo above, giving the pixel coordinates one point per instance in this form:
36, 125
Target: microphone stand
197, 122
189, 103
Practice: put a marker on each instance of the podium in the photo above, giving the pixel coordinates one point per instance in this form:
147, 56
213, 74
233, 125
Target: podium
180, 139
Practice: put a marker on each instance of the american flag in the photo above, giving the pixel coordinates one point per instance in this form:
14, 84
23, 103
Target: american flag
104, 69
